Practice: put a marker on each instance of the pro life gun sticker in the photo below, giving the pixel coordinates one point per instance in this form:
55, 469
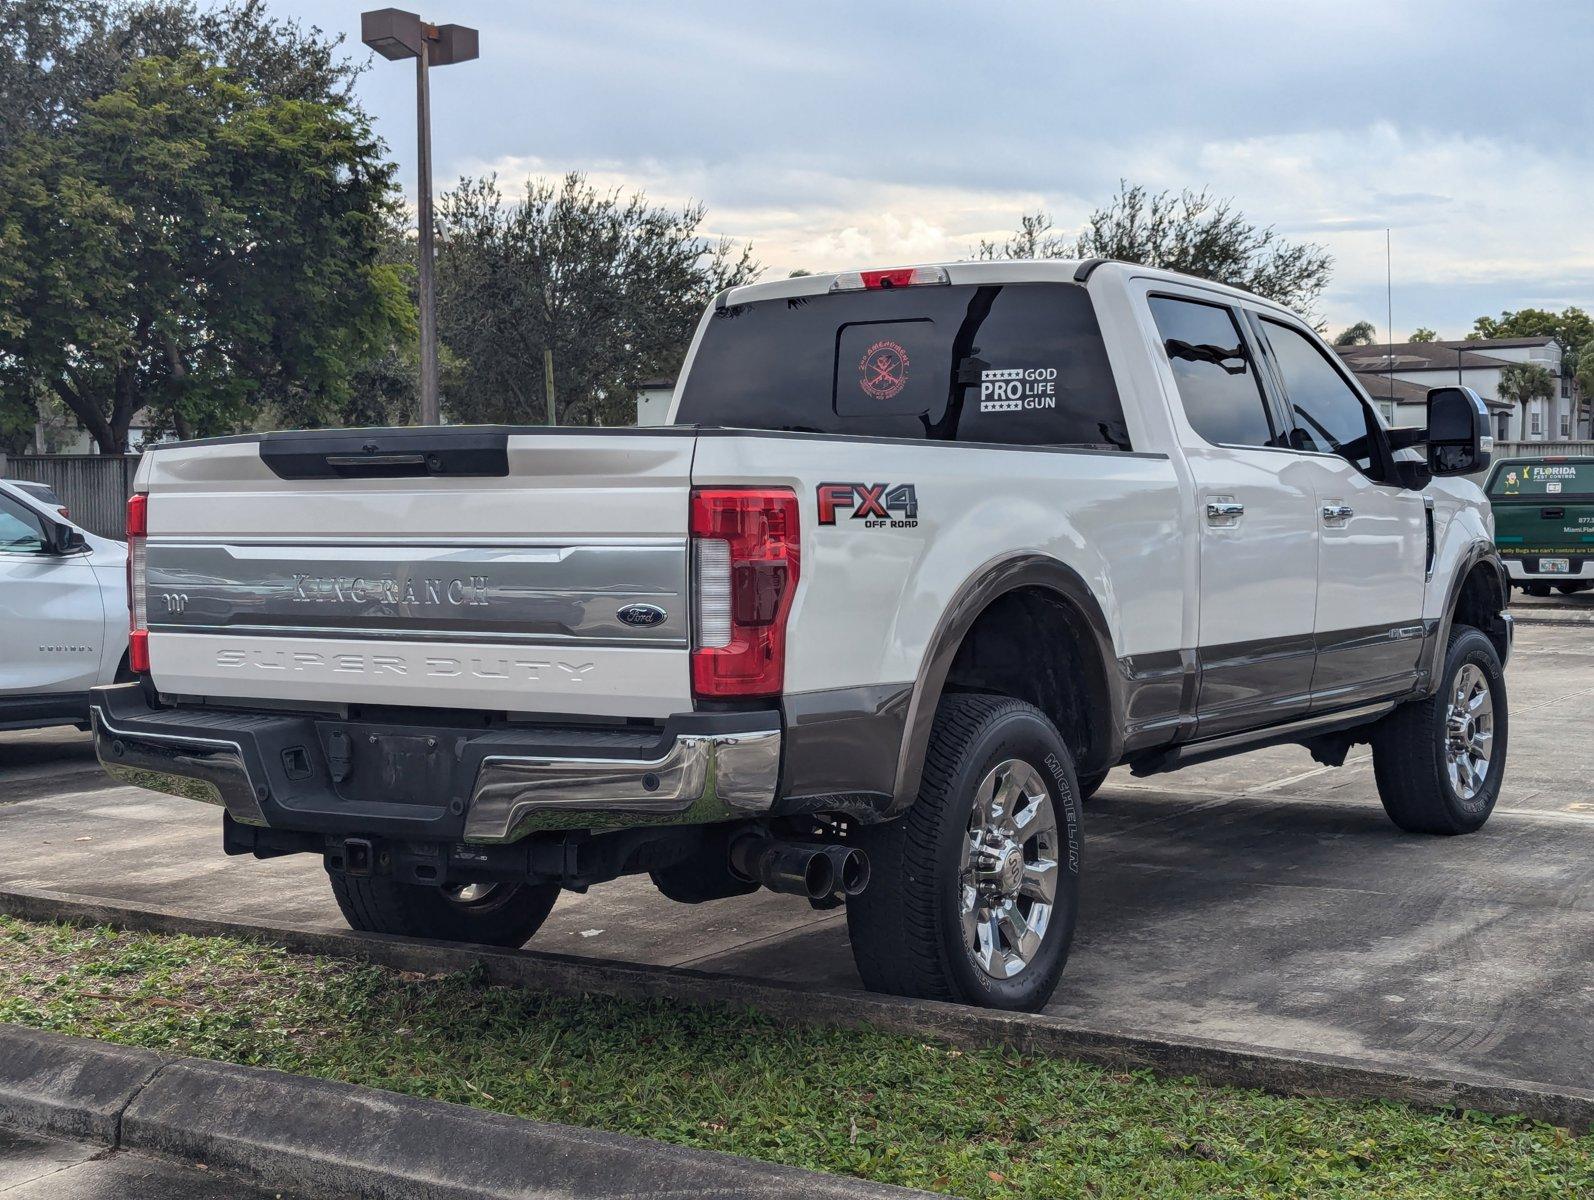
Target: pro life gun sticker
877, 505
1017, 389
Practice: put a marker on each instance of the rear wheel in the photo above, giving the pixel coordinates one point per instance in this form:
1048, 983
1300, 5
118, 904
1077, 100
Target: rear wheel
1439, 761
974, 892
488, 914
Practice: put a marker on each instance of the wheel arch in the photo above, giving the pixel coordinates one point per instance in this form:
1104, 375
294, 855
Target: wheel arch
1478, 595
1028, 586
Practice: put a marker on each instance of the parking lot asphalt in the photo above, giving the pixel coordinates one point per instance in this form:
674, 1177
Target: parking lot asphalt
43, 1168
1261, 900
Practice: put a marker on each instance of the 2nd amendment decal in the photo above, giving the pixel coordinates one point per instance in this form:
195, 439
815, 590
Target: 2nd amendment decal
877, 505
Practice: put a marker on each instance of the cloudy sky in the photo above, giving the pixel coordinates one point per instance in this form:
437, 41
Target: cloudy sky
877, 132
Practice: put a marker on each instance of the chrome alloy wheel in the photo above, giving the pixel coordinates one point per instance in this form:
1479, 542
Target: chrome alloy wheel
1469, 732
1009, 870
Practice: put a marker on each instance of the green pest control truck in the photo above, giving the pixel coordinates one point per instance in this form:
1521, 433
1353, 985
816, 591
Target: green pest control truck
1544, 522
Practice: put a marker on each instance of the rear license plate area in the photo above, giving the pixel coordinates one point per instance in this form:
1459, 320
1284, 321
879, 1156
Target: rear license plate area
389, 768
1555, 566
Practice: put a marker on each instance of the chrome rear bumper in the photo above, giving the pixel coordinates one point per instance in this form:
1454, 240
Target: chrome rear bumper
701, 768
698, 779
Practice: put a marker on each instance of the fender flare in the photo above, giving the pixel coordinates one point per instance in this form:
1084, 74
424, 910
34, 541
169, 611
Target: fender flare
1480, 551
991, 581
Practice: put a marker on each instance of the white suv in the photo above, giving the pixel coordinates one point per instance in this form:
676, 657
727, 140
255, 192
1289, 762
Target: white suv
63, 613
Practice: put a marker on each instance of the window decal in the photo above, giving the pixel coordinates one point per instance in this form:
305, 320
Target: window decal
883, 370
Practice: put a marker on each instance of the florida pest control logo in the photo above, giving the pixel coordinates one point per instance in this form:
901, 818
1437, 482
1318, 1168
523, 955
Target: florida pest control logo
883, 370
877, 505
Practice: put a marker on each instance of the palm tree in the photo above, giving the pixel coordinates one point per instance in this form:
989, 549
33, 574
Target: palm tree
1523, 383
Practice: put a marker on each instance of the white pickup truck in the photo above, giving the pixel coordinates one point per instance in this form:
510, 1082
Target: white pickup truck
923, 554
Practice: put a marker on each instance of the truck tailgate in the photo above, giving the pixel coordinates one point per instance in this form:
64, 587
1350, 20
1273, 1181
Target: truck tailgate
474, 568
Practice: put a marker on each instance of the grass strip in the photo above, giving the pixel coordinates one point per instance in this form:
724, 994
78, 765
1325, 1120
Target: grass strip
981, 1123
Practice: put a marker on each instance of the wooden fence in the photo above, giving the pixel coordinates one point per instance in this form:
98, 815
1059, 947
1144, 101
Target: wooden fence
93, 487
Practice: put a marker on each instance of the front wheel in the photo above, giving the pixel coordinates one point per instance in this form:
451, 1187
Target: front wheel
974, 892
487, 914
1439, 761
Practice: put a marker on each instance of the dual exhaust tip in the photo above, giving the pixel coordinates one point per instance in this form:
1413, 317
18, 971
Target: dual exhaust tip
812, 869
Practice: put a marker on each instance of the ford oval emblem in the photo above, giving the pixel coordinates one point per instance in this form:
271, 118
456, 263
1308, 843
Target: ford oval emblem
642, 616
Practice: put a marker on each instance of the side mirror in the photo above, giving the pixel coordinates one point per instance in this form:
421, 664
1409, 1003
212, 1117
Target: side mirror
1459, 442
61, 538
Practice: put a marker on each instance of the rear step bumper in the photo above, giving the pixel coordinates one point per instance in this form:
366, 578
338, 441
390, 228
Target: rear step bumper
440, 782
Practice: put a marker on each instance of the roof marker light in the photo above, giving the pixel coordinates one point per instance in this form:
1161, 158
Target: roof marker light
860, 281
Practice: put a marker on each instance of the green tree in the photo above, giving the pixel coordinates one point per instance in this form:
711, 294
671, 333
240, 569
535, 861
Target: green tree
1582, 370
1524, 383
1571, 327
197, 245
190, 210
1187, 231
559, 304
1423, 334
1362, 333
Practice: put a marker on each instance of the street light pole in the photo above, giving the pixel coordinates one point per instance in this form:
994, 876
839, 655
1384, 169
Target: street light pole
431, 413
396, 34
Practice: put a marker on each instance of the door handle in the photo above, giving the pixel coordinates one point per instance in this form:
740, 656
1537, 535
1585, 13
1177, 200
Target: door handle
1338, 512
1223, 513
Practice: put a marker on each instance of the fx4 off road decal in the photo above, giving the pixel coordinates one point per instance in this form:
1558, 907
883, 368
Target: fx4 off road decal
877, 505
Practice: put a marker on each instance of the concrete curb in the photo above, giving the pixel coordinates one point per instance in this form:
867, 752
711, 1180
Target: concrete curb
319, 1138
69, 1087
1117, 1047
1545, 619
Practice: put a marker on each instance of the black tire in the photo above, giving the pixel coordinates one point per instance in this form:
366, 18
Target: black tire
907, 928
506, 916
1536, 589
1089, 785
1570, 589
1410, 747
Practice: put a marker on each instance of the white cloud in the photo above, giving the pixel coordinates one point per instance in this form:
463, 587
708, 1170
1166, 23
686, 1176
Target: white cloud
796, 216
1468, 213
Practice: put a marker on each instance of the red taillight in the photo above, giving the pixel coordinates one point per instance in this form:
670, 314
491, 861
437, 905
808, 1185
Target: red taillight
137, 574
745, 559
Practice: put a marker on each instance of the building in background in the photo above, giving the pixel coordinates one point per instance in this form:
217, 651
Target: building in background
1398, 378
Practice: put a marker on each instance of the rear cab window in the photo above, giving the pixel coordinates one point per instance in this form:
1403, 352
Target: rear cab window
1011, 364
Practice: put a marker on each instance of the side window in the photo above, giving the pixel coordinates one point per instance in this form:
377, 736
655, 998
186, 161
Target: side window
21, 531
1329, 416
1217, 381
